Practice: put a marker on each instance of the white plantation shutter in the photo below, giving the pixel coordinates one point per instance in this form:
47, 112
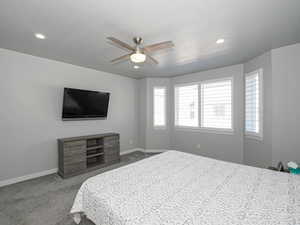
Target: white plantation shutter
253, 104
186, 106
216, 104
159, 106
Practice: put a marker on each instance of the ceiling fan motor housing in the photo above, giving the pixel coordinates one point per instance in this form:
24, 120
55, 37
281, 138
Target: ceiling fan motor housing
137, 40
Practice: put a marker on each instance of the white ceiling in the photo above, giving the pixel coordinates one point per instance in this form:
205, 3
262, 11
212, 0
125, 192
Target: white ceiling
76, 31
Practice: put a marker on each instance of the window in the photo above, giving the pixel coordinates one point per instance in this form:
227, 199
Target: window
216, 104
253, 103
159, 106
186, 106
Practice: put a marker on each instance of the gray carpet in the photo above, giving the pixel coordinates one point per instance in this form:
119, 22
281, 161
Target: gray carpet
47, 200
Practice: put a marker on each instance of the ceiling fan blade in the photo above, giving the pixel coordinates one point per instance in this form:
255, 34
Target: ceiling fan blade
121, 43
158, 46
152, 59
121, 58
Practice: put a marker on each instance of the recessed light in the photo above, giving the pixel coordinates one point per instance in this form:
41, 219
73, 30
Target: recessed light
40, 36
136, 67
220, 41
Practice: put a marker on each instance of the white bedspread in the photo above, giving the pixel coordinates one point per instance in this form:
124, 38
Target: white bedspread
183, 189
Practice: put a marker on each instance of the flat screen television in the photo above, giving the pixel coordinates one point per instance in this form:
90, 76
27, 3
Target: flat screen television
84, 104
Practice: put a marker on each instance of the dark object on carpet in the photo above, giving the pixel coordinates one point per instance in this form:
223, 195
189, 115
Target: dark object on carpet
280, 168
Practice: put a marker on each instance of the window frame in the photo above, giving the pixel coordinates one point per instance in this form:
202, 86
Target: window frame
249, 134
199, 127
223, 130
159, 127
175, 106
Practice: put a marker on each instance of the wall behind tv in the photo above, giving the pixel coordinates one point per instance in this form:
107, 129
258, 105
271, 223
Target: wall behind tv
31, 94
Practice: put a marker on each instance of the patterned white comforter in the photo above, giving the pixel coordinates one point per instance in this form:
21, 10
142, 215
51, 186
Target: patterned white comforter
183, 189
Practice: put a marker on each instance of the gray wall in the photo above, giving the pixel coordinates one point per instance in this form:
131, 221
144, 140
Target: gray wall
259, 152
286, 98
281, 111
153, 138
142, 96
31, 91
227, 147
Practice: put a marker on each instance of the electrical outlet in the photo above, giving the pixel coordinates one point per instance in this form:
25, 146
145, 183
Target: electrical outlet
198, 146
130, 141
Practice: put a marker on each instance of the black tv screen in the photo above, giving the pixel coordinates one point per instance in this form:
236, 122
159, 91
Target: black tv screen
84, 104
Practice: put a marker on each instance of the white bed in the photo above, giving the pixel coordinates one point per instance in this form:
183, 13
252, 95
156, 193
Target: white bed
183, 189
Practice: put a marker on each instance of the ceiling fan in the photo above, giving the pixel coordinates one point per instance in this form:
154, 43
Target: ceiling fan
139, 53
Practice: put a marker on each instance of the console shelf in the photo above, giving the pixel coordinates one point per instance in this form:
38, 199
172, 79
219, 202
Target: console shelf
94, 155
85, 153
94, 147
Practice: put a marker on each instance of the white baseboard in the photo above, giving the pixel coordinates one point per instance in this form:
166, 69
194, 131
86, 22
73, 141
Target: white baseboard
143, 150
27, 177
51, 171
155, 150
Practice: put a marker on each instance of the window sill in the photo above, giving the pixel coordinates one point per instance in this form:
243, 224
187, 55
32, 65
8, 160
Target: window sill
253, 136
159, 127
205, 130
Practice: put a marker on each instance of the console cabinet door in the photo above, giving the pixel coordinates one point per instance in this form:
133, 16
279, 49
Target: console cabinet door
111, 149
74, 168
74, 157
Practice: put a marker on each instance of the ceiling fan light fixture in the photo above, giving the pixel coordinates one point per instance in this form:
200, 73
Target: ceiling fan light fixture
40, 36
220, 41
138, 57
